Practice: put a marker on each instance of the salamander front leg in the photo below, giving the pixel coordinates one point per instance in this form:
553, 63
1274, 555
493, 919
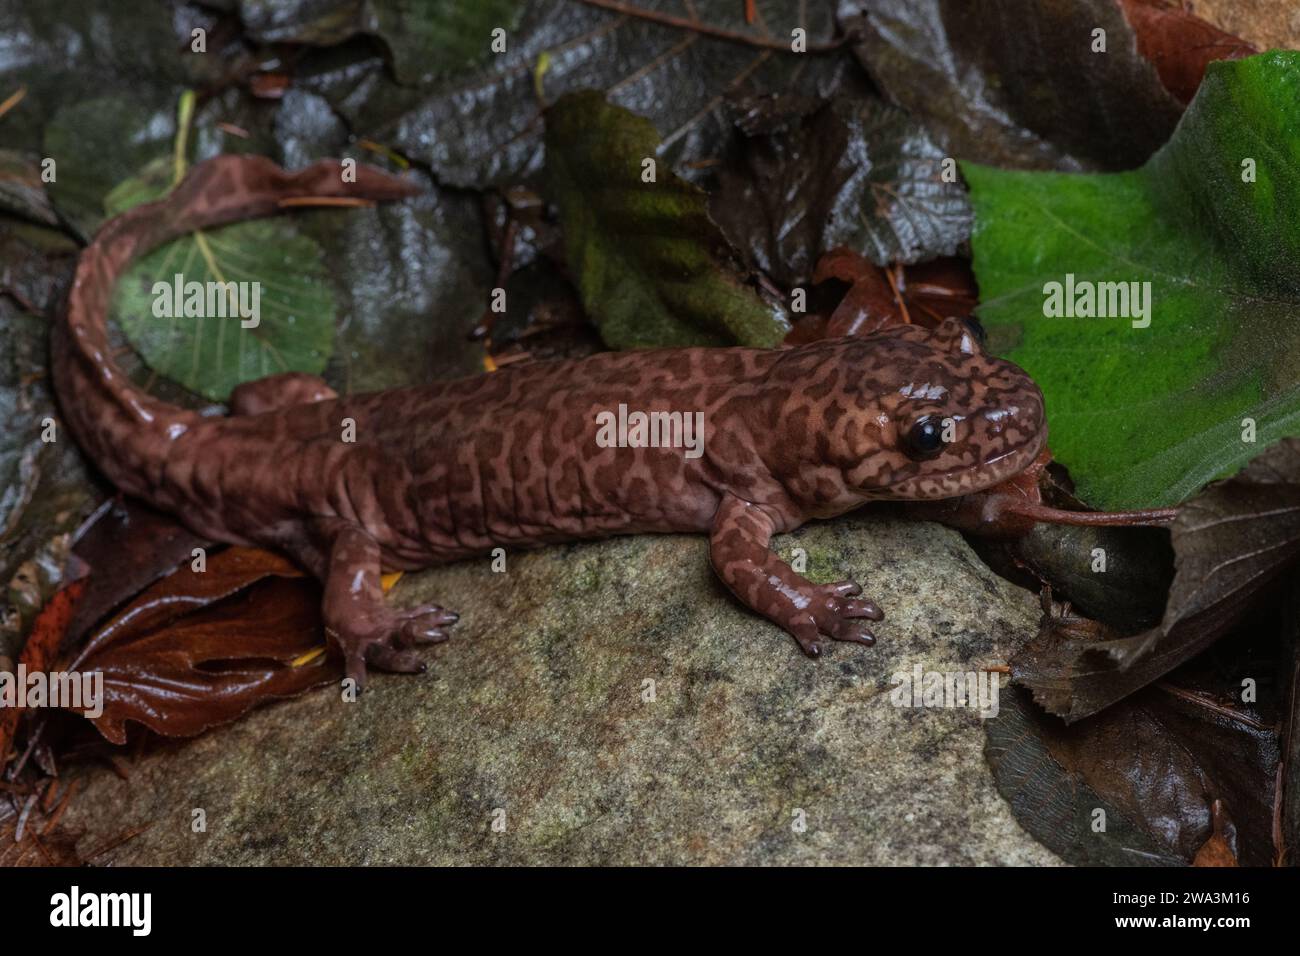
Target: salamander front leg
279, 391
365, 627
738, 548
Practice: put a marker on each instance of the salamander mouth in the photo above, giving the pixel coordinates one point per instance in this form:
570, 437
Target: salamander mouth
968, 480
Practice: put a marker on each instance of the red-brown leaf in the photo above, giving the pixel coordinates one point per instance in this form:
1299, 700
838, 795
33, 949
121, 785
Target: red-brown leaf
201, 648
1180, 44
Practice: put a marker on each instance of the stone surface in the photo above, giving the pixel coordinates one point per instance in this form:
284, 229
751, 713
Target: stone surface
537, 707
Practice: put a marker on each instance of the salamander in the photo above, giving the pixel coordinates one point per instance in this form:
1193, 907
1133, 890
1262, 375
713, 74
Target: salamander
353, 486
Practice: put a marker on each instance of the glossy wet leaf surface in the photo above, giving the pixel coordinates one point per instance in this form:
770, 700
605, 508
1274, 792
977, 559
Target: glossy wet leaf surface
804, 177
1136, 785
484, 128
424, 38
1016, 83
199, 649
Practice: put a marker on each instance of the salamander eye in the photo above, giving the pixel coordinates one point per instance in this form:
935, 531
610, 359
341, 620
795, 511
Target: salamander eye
924, 439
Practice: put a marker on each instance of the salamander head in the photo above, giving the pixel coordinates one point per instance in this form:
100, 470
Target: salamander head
944, 418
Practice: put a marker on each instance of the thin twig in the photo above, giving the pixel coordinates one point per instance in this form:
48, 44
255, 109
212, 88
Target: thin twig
324, 201
53, 820
719, 33
13, 100
22, 818
129, 835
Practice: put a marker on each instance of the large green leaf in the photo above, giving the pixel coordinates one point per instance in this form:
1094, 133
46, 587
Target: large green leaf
648, 261
1145, 416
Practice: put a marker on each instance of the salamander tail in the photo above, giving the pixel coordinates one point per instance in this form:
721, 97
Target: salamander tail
122, 428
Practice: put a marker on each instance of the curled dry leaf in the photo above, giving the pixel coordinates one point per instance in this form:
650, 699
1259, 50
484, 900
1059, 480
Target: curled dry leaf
1231, 543
201, 648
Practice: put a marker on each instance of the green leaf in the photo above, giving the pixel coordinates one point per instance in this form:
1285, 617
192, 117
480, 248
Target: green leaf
211, 355
648, 261
1146, 416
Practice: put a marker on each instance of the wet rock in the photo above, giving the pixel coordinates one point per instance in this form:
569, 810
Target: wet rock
611, 703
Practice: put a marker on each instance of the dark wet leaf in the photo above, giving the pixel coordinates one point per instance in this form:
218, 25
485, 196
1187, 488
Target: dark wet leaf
1179, 44
411, 280
648, 262
200, 649
425, 40
73, 51
1137, 569
1154, 765
1289, 678
804, 177
544, 321
36, 264
22, 193
129, 547
100, 141
1231, 543
1016, 83
44, 491
485, 128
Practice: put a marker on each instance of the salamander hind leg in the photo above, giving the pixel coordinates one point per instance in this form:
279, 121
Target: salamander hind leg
738, 548
357, 617
278, 391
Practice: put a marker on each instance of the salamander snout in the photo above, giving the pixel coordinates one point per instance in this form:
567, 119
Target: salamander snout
1010, 427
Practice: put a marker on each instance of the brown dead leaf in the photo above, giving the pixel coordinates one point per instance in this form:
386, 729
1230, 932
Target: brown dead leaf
127, 548
39, 653
877, 298
1179, 44
199, 649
